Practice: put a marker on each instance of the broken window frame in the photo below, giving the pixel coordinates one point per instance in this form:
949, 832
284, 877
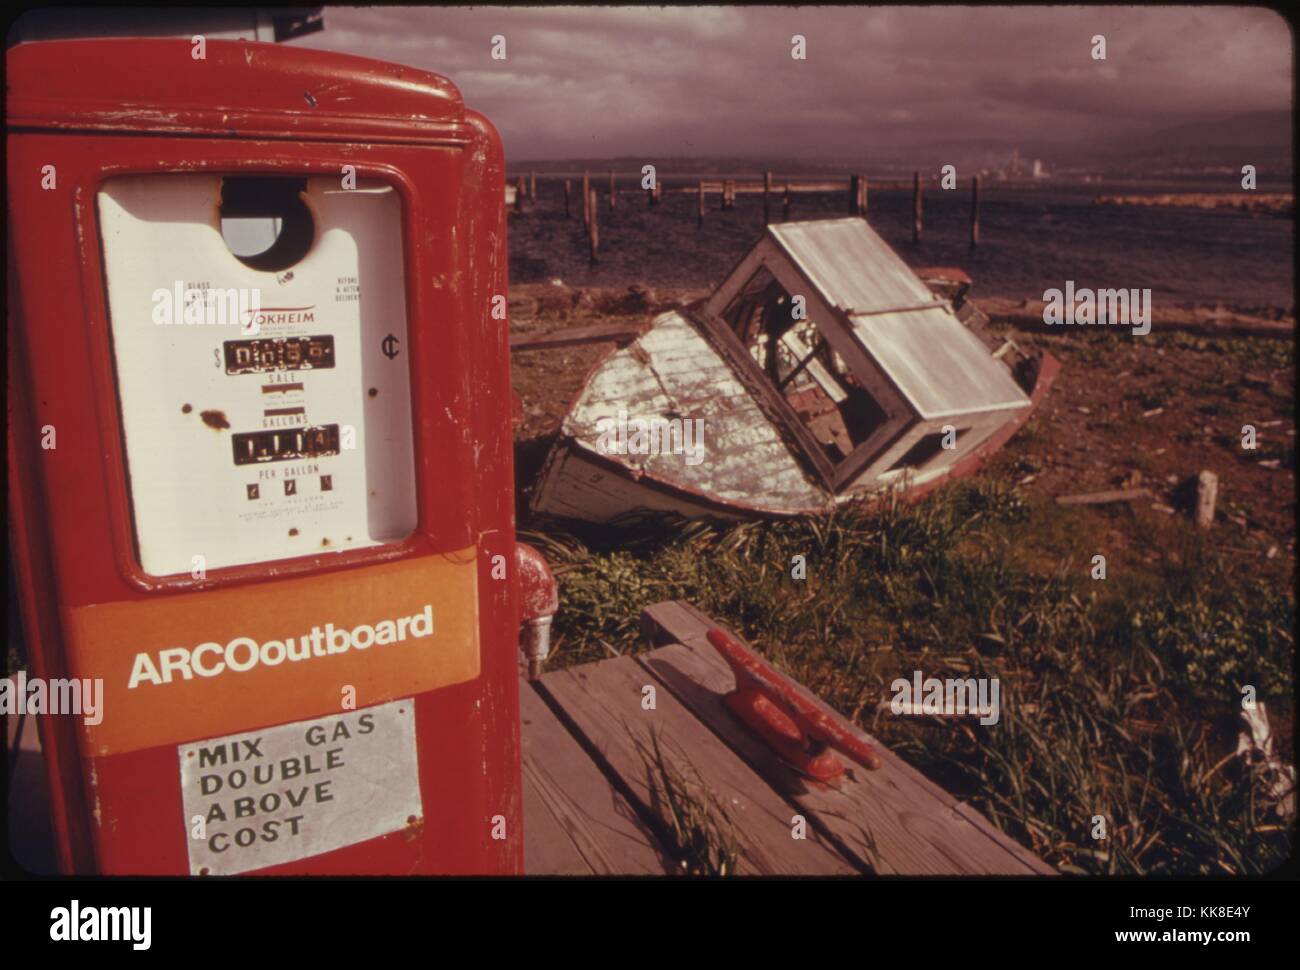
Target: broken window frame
899, 417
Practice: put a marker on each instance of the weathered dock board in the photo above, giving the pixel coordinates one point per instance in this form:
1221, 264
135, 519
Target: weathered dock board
917, 827
604, 701
889, 822
576, 822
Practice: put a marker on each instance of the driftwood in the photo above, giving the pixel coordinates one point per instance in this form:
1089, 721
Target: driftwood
1028, 315
619, 333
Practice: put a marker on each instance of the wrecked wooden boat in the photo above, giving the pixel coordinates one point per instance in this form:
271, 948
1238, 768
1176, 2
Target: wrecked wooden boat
822, 369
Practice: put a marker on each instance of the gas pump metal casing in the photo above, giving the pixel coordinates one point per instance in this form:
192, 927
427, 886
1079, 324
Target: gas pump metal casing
127, 452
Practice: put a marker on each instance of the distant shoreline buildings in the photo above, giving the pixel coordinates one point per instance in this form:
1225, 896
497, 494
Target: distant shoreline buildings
1015, 168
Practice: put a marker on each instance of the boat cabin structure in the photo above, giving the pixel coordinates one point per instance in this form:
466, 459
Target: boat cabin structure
822, 368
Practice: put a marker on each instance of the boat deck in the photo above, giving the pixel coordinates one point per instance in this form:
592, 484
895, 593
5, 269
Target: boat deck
594, 786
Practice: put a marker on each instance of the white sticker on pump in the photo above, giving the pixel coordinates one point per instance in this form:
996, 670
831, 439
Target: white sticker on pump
299, 790
266, 405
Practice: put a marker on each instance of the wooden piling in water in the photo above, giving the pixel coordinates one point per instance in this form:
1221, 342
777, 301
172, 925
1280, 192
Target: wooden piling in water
613, 191
785, 207
857, 194
532, 187
700, 200
593, 227
916, 207
519, 194
729, 194
586, 200
974, 211
767, 198
566, 199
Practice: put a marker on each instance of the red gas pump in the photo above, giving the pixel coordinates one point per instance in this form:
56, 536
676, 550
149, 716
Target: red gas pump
264, 497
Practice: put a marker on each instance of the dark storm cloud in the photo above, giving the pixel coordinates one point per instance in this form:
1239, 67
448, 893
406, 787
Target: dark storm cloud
720, 80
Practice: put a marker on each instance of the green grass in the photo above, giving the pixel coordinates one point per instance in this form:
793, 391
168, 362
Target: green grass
1119, 697
700, 833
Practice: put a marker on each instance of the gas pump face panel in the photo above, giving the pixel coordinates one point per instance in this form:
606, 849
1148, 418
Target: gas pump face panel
265, 400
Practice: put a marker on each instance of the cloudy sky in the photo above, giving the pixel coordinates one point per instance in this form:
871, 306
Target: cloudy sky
609, 81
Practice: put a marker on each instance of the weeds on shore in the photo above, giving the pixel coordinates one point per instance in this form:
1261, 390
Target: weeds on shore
1120, 698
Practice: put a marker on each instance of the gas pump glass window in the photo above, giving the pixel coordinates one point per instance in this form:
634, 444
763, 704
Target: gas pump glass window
259, 333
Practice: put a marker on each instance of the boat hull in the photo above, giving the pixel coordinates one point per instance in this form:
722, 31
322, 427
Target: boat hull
583, 482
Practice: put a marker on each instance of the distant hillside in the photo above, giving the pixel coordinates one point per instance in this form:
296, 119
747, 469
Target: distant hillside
1258, 129
1262, 138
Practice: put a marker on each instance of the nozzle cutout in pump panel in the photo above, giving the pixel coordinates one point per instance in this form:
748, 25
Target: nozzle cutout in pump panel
265, 221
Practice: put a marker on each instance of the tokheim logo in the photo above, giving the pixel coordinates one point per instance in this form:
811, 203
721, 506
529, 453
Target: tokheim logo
276, 316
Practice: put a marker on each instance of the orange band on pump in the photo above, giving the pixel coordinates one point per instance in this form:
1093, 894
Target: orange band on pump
177, 668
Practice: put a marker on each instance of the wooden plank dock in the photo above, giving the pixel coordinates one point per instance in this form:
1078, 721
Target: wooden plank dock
591, 803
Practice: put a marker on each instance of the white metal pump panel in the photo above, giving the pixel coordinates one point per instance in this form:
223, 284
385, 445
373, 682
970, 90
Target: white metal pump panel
267, 433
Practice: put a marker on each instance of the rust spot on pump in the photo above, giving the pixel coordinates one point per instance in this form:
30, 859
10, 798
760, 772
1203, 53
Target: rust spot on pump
414, 827
186, 408
216, 420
